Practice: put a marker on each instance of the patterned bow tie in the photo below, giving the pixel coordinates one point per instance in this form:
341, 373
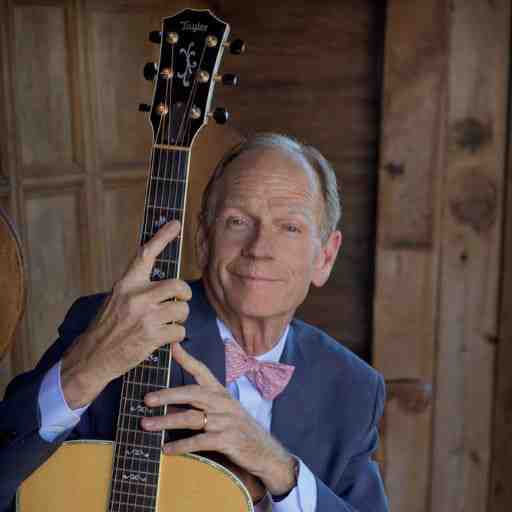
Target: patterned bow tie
268, 378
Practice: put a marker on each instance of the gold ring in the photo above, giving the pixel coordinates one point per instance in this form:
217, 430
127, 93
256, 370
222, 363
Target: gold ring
205, 420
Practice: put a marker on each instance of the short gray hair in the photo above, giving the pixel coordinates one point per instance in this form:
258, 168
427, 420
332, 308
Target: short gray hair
322, 168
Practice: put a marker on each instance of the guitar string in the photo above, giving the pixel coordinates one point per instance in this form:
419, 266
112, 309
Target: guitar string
128, 388
178, 200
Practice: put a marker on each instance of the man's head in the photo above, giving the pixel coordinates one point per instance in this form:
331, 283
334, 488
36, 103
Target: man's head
268, 227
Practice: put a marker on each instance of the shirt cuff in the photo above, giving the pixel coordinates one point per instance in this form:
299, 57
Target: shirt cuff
56, 416
303, 495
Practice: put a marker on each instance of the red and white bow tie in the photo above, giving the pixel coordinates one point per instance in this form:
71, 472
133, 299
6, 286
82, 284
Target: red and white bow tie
268, 378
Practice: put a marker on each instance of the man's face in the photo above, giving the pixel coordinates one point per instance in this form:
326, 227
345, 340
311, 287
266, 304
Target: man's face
263, 249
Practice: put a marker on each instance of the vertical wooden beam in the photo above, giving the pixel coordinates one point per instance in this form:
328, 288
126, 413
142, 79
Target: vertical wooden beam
411, 162
500, 494
472, 202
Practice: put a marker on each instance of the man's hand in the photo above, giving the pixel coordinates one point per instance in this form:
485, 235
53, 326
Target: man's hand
229, 428
136, 319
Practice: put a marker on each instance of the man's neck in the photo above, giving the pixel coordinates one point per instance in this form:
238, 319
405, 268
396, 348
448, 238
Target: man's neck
255, 335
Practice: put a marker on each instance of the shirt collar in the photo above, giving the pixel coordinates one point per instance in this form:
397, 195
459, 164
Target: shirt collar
272, 356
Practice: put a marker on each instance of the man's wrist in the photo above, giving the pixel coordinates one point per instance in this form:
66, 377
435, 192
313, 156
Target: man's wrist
284, 478
280, 497
78, 387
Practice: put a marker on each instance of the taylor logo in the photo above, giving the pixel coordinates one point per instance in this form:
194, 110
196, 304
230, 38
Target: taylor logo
193, 27
190, 64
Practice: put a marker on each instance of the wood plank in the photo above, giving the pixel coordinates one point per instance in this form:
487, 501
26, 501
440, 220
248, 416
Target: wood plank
410, 170
471, 252
312, 71
500, 492
43, 90
55, 255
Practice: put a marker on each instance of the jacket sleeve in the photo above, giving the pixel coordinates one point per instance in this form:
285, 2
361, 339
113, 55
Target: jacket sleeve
360, 488
22, 450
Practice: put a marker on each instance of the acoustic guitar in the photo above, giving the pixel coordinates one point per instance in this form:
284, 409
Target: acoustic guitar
132, 474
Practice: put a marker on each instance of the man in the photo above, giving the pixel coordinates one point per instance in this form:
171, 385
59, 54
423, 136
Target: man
267, 232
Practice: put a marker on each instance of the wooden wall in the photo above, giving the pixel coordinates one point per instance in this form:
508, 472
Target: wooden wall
439, 253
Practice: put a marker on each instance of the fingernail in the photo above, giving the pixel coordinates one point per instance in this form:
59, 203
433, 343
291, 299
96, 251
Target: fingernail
147, 423
151, 400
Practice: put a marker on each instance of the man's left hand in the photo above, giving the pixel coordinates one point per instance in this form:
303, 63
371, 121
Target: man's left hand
226, 425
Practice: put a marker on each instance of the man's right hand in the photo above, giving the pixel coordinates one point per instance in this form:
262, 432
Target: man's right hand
136, 319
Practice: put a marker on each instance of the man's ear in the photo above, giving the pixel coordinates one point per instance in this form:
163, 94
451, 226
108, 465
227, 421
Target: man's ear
326, 258
201, 245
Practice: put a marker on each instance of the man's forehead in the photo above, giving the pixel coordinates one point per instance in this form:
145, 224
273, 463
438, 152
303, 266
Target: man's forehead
264, 162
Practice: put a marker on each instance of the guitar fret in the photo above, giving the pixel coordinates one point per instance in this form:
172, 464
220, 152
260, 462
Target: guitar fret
141, 458
141, 446
132, 471
116, 502
148, 384
173, 180
170, 147
166, 208
166, 260
138, 431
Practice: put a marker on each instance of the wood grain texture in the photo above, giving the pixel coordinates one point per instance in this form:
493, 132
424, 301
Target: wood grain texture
312, 71
410, 172
43, 89
412, 112
54, 250
500, 492
471, 254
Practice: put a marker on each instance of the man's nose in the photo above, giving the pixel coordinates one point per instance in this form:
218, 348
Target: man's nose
261, 242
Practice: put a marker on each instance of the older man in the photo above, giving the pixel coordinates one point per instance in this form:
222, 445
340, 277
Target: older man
268, 230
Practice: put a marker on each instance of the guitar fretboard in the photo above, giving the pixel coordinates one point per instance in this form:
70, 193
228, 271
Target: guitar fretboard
137, 453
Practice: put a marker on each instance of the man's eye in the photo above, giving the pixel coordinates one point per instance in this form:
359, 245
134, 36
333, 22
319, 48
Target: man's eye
236, 222
291, 228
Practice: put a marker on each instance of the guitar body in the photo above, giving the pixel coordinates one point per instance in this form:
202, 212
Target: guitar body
12, 282
78, 477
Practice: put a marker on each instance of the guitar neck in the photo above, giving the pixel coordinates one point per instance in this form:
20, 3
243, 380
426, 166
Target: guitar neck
137, 454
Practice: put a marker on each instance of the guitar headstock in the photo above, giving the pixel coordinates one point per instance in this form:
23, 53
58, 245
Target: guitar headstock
191, 47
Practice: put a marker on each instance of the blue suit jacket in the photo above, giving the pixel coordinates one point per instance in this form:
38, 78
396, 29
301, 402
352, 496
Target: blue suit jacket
327, 416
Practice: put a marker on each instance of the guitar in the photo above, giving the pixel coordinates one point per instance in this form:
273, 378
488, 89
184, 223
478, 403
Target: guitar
133, 474
12, 281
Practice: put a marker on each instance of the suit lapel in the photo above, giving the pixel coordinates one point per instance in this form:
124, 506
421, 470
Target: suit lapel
204, 342
293, 411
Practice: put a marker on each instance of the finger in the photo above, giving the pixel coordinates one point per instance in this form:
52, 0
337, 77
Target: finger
168, 289
193, 394
193, 419
196, 368
170, 333
210, 441
170, 311
148, 253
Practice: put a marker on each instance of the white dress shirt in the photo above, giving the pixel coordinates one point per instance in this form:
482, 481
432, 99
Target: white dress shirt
58, 418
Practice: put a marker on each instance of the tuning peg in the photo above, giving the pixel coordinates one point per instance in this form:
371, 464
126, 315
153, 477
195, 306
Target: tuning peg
155, 36
150, 70
221, 115
229, 79
236, 47
144, 107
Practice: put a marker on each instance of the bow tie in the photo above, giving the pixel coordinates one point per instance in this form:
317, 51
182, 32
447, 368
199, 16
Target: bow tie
268, 378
